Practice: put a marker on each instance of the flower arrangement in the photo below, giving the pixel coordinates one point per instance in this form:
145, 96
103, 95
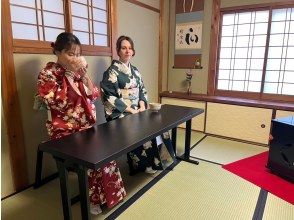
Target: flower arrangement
189, 76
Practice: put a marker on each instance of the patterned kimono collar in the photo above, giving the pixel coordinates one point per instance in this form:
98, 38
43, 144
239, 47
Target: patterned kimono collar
58, 68
123, 67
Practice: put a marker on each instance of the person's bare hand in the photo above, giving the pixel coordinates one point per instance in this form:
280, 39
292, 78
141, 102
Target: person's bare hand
142, 109
82, 72
77, 64
134, 111
142, 106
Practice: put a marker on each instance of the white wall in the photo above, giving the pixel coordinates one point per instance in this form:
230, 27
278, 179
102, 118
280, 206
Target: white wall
142, 25
152, 3
7, 186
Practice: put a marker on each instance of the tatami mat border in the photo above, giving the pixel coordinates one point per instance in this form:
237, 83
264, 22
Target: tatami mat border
141, 192
260, 205
209, 161
257, 215
198, 142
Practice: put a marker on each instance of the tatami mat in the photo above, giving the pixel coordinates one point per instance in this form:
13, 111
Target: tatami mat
205, 191
45, 202
278, 209
224, 151
195, 137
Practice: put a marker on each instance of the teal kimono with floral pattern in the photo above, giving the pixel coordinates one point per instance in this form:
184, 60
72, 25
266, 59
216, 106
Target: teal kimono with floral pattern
121, 87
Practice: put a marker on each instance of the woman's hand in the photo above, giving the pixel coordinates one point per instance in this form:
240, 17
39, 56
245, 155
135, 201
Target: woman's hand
142, 106
78, 65
141, 109
83, 72
131, 110
72, 65
134, 111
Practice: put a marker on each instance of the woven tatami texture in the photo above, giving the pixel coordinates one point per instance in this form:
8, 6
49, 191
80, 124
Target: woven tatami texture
195, 137
205, 191
224, 151
278, 209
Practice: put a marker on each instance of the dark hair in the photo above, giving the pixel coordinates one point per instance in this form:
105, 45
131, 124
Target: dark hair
64, 41
120, 39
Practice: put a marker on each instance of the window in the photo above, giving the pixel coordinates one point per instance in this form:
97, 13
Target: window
37, 20
90, 21
256, 53
279, 76
35, 23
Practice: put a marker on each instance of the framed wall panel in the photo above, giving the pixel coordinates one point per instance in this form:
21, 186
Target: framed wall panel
241, 122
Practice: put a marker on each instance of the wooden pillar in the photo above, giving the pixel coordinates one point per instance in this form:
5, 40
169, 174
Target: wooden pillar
113, 26
160, 55
214, 32
11, 105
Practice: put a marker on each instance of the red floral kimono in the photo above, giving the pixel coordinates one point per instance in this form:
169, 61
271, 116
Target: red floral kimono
70, 109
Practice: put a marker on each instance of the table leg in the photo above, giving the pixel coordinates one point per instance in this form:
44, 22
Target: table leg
174, 139
187, 139
186, 156
39, 164
63, 179
84, 192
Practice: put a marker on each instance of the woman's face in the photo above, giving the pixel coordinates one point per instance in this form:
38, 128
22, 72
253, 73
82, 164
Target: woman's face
66, 57
126, 52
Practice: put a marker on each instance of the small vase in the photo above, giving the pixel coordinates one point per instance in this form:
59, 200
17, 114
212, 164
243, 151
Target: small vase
189, 89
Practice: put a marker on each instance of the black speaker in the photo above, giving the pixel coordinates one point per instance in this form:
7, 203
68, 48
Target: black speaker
281, 151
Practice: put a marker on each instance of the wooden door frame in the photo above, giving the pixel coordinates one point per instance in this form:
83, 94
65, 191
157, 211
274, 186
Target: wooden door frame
11, 106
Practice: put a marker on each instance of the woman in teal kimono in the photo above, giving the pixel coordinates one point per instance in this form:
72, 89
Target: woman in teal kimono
123, 93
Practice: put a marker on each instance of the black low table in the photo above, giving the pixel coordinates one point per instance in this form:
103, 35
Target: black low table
281, 152
91, 148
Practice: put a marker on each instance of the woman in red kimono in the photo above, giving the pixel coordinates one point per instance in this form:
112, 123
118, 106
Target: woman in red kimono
69, 93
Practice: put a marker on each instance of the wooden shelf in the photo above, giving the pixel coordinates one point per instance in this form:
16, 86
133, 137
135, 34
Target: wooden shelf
287, 106
200, 67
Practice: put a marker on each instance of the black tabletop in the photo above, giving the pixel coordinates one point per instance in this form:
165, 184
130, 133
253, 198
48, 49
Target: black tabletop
103, 143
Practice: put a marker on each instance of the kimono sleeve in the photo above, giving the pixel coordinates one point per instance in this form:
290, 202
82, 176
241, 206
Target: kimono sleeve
53, 93
142, 92
110, 91
94, 94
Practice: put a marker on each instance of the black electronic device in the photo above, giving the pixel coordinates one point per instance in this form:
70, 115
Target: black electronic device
281, 151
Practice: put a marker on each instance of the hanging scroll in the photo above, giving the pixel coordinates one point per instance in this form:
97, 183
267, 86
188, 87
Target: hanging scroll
188, 33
